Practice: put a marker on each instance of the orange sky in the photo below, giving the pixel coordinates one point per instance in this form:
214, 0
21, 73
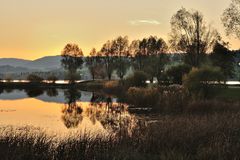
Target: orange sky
32, 28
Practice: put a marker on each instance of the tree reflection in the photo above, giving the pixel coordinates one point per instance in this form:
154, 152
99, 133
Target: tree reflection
34, 92
72, 111
113, 117
1, 90
52, 92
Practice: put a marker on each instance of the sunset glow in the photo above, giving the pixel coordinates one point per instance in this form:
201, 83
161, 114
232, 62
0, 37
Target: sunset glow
31, 29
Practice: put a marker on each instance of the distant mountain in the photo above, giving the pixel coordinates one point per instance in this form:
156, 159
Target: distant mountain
43, 64
14, 62
47, 63
11, 69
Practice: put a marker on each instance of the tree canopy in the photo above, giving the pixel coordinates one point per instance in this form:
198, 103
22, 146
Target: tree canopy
72, 60
191, 35
231, 18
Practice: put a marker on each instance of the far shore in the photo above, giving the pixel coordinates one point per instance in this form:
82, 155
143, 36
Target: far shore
92, 84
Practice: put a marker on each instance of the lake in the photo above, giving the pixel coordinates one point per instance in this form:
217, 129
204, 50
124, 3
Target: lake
65, 111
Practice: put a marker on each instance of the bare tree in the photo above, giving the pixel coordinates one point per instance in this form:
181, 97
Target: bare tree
190, 35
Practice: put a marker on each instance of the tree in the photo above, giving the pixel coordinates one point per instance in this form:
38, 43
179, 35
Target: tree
72, 61
137, 55
223, 58
231, 18
120, 49
93, 62
52, 78
108, 58
34, 78
154, 49
190, 35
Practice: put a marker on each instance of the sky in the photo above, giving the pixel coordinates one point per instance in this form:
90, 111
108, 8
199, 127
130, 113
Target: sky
30, 29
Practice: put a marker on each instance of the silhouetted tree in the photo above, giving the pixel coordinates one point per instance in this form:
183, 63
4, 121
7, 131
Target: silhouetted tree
137, 56
155, 58
190, 35
72, 60
120, 49
108, 58
93, 62
231, 18
34, 78
223, 58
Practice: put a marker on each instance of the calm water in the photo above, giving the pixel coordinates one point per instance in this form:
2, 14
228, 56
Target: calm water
64, 111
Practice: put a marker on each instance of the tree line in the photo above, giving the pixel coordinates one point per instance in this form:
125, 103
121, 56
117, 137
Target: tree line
190, 35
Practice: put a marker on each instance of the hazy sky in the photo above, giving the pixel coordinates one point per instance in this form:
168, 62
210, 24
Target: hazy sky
34, 28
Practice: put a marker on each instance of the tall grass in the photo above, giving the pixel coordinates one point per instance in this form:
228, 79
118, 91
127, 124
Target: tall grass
184, 136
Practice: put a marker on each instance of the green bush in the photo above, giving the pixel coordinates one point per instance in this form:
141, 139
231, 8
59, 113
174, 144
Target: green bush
203, 82
138, 79
34, 78
176, 73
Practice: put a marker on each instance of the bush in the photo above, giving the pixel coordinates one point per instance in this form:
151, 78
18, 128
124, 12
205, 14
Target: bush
177, 72
138, 79
112, 87
34, 78
143, 97
202, 82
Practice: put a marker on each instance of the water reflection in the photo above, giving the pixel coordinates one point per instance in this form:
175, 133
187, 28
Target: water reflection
34, 92
71, 110
1, 90
114, 117
52, 92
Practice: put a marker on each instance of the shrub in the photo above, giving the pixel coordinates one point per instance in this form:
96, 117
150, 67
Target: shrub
202, 82
34, 78
138, 79
112, 87
177, 72
143, 97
